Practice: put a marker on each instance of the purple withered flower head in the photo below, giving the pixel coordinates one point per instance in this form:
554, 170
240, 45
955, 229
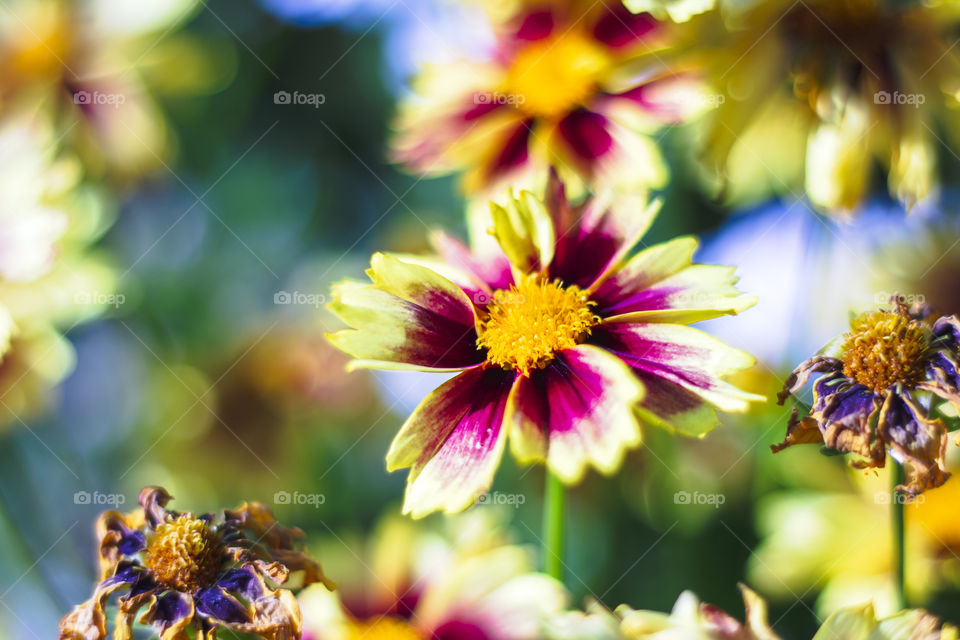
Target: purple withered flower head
880, 389
182, 569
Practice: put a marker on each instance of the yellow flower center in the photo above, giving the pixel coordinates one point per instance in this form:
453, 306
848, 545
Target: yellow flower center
384, 628
184, 554
527, 325
553, 76
884, 348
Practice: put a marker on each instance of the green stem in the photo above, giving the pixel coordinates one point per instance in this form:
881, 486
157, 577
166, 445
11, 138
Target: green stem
553, 510
899, 551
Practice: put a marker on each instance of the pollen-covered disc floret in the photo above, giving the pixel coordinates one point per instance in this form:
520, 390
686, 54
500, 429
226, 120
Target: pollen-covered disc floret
885, 348
553, 76
528, 324
184, 553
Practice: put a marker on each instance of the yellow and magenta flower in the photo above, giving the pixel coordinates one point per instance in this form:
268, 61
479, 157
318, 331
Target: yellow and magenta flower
569, 84
819, 93
691, 619
421, 584
207, 571
879, 390
560, 339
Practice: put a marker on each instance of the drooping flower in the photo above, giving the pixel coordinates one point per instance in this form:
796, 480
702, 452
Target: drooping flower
879, 391
574, 85
691, 619
818, 94
202, 570
414, 582
560, 339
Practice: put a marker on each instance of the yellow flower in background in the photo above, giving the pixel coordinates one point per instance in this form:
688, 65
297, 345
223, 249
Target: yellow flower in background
573, 84
816, 94
96, 65
416, 581
691, 619
49, 279
838, 543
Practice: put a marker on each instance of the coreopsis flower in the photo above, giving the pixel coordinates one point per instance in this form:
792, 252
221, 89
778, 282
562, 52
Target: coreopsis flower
182, 569
412, 582
690, 619
818, 94
879, 389
561, 341
570, 84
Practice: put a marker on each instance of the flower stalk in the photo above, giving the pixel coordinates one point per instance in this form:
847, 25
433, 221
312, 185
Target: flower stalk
553, 526
899, 550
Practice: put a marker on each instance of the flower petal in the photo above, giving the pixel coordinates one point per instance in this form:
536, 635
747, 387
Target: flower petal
215, 602
170, 614
681, 355
592, 241
617, 27
671, 407
915, 439
577, 410
410, 317
491, 269
525, 232
453, 442
660, 285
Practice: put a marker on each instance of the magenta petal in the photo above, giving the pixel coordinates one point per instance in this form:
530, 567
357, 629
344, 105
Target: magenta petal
535, 25
618, 27
492, 271
482, 106
585, 134
453, 441
612, 300
514, 152
650, 356
577, 410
